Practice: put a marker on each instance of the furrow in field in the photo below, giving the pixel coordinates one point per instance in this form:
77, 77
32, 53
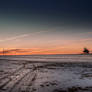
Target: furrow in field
15, 79
6, 79
7, 75
26, 81
4, 82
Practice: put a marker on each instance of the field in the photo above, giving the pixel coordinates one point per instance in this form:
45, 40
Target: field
27, 76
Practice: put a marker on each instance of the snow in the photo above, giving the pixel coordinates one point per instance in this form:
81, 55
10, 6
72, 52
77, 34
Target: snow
27, 76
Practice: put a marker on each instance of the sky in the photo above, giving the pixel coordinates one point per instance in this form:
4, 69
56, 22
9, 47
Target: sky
45, 26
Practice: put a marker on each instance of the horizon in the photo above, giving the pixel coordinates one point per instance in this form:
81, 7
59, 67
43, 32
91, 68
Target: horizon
45, 27
30, 52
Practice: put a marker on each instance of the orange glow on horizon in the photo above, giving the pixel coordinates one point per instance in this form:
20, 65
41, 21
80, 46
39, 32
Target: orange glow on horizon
39, 51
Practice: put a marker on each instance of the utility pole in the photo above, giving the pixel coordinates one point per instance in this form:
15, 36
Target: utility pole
3, 51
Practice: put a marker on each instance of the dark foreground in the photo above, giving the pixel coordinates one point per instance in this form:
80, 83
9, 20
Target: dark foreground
26, 76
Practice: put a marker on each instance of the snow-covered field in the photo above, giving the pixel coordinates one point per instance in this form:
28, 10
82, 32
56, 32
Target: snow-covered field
21, 75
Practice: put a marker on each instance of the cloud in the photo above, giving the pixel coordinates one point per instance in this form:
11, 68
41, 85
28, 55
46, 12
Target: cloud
15, 50
14, 38
87, 39
21, 36
82, 40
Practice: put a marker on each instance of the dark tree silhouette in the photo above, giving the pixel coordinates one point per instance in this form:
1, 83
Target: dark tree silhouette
86, 51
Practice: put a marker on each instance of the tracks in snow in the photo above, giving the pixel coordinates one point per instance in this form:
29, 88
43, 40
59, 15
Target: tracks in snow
18, 81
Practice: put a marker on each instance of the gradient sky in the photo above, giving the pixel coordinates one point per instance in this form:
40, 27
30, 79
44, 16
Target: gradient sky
45, 26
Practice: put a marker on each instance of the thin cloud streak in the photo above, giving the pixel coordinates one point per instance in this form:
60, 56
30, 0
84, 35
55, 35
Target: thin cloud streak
15, 38
21, 36
15, 50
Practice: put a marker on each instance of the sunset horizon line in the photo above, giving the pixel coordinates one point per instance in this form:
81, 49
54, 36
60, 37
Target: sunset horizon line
44, 54
36, 51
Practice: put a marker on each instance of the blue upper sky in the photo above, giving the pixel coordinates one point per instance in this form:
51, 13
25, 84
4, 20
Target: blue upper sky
76, 12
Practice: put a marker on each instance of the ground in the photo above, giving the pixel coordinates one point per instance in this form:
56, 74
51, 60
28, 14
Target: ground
27, 76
